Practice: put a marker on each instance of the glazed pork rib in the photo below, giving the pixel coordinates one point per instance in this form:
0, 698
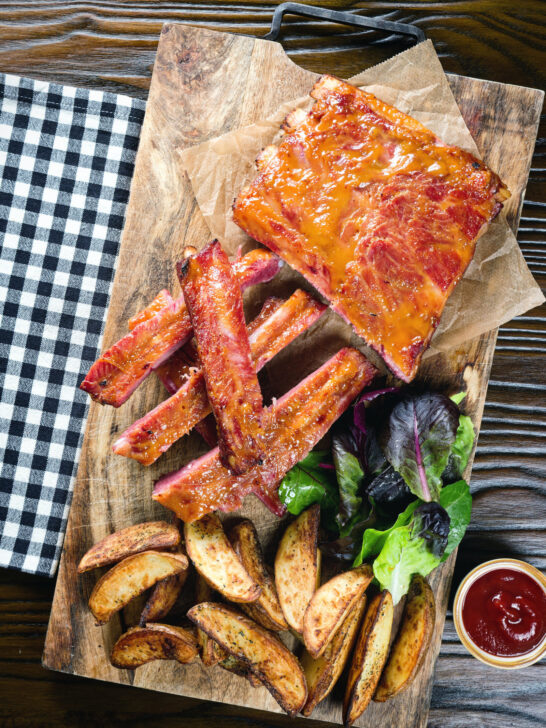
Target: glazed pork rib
207, 427
176, 370
119, 371
375, 211
299, 420
215, 305
278, 323
179, 366
162, 300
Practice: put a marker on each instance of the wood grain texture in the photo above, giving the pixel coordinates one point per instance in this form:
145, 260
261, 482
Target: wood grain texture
112, 45
205, 84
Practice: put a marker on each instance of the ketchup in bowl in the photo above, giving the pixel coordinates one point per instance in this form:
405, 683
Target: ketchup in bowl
504, 612
500, 613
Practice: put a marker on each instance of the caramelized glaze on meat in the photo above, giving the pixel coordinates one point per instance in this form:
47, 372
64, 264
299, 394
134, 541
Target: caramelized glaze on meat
278, 323
299, 420
156, 334
375, 211
215, 305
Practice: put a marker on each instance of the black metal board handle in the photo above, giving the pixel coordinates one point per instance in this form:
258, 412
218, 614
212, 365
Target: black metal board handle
344, 18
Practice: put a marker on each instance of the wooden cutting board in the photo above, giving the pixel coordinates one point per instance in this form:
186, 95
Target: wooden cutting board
205, 84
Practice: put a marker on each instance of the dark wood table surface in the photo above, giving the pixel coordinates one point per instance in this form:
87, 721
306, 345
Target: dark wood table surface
110, 44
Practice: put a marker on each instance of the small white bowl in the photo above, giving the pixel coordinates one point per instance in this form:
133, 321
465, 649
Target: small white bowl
506, 663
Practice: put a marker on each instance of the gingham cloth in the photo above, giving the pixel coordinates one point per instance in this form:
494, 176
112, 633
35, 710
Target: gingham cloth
66, 162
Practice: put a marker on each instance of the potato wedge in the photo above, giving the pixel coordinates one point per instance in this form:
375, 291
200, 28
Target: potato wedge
330, 605
232, 664
322, 674
140, 645
265, 654
369, 657
214, 558
411, 643
210, 651
156, 536
266, 610
163, 598
297, 566
131, 577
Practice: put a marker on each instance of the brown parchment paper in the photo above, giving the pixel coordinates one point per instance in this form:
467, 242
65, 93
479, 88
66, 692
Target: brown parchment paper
496, 286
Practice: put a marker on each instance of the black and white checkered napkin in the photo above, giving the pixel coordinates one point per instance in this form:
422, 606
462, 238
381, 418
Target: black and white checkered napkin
66, 162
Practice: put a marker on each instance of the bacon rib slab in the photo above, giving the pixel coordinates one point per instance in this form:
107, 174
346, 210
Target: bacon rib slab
178, 367
162, 300
278, 323
215, 305
175, 371
375, 211
299, 420
119, 371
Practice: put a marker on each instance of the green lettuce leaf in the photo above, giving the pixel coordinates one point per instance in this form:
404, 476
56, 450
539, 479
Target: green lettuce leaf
350, 477
457, 501
399, 552
458, 398
460, 450
401, 557
374, 539
307, 483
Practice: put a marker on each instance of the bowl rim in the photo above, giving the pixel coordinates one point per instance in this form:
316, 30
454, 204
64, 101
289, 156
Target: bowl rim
507, 663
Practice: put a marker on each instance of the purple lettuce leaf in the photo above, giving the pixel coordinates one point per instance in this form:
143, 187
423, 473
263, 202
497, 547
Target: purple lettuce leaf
420, 433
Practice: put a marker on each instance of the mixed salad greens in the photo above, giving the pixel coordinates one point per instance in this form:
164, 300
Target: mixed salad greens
390, 489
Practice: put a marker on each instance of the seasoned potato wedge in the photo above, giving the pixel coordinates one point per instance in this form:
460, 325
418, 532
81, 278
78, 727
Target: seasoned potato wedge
330, 605
156, 536
163, 597
323, 673
140, 645
214, 558
130, 578
412, 640
369, 657
232, 664
266, 610
210, 651
297, 566
265, 655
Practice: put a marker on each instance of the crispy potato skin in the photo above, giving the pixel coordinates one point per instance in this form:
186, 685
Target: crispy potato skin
163, 598
140, 645
214, 558
232, 664
412, 641
330, 605
369, 657
297, 566
131, 577
156, 536
267, 658
266, 610
322, 674
210, 651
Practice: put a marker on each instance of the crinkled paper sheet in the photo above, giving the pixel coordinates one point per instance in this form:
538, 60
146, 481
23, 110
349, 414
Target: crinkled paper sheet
496, 287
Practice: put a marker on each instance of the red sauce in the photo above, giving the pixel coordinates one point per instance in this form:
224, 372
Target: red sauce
504, 612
